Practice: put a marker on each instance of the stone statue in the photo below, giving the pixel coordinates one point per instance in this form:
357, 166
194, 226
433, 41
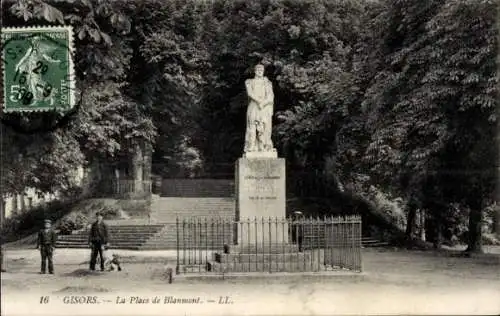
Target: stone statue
259, 113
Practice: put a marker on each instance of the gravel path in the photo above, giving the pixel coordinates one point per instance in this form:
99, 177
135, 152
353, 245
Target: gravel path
393, 282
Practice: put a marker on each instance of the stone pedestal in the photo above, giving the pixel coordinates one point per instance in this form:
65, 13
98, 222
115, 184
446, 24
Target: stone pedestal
260, 200
262, 241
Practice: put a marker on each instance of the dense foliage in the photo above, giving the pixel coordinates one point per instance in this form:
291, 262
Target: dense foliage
395, 97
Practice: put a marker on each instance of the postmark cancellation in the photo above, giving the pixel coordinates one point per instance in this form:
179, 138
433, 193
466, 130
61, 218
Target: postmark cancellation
38, 69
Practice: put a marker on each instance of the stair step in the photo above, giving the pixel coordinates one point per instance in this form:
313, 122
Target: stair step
141, 242
122, 236
134, 229
125, 233
147, 247
197, 187
134, 226
123, 246
113, 238
113, 241
118, 233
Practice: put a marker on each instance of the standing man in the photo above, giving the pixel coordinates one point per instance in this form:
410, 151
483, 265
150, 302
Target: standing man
98, 239
46, 242
259, 112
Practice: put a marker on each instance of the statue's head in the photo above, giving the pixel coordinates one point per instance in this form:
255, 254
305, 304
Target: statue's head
259, 70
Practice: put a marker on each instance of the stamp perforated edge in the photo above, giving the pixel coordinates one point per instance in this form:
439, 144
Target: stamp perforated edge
71, 68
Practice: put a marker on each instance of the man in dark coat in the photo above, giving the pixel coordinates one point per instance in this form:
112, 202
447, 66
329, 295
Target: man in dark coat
46, 242
98, 239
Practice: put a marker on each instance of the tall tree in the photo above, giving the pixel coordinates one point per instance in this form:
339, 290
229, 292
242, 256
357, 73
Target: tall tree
429, 109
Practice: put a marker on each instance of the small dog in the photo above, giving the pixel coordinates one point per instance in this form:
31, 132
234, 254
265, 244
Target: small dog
112, 263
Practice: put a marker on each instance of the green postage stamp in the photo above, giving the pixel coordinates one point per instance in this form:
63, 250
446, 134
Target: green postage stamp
38, 70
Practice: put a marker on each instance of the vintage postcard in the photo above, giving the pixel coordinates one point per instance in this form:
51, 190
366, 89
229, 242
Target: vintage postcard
268, 157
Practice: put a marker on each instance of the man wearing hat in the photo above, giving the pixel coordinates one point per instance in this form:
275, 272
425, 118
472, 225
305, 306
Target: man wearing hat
98, 239
46, 242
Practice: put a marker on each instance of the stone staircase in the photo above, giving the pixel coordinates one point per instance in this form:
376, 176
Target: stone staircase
159, 231
197, 188
166, 210
189, 237
121, 237
162, 237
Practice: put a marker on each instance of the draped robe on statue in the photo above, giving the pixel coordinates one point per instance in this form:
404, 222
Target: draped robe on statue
259, 120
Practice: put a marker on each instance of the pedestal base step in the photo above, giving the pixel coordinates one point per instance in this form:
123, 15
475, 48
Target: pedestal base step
262, 257
264, 248
295, 266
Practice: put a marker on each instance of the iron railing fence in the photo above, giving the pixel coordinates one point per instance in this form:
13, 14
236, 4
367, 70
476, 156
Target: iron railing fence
224, 245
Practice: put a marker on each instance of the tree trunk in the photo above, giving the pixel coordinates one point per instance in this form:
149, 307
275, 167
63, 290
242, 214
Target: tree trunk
438, 238
422, 225
496, 227
410, 222
137, 170
147, 166
475, 229
2, 207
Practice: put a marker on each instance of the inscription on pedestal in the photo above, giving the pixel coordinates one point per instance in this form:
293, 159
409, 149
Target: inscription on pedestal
260, 194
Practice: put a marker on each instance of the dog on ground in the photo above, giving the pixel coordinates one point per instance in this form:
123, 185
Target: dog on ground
112, 262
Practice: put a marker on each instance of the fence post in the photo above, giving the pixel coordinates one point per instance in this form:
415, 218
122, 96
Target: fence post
353, 243
177, 268
270, 246
199, 244
206, 242
247, 224
212, 234
342, 220
360, 240
346, 242
284, 225
256, 246
190, 240
183, 241
223, 232
263, 245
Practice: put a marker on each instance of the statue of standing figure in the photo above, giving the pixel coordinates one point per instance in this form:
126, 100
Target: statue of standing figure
259, 113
